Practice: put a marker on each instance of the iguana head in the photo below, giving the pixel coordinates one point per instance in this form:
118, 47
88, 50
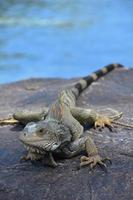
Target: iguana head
45, 135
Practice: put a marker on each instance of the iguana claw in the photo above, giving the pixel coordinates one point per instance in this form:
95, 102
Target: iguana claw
101, 122
30, 156
93, 161
8, 121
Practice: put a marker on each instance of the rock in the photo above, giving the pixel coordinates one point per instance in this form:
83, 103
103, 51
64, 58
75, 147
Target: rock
34, 181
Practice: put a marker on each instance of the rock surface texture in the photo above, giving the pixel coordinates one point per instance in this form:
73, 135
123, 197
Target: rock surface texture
34, 181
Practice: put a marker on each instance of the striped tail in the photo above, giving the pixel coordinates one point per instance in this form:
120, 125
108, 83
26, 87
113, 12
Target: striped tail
88, 80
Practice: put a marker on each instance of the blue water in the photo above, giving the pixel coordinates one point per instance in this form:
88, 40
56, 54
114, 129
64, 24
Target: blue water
48, 38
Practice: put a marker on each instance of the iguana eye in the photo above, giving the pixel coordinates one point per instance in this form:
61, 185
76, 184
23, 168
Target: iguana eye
40, 131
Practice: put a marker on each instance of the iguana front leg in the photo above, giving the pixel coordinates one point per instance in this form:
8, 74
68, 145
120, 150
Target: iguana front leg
93, 118
31, 156
85, 143
25, 117
92, 158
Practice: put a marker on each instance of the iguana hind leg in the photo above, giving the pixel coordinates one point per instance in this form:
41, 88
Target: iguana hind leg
24, 117
93, 118
29, 116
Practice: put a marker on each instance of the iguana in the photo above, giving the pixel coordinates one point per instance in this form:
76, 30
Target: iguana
59, 128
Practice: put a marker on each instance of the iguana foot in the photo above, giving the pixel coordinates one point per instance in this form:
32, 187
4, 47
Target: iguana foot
31, 156
50, 160
102, 122
8, 121
93, 161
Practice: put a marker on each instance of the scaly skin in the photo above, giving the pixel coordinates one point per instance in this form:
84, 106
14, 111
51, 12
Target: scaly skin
59, 129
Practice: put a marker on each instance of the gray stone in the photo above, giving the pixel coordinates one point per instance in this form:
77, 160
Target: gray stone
34, 181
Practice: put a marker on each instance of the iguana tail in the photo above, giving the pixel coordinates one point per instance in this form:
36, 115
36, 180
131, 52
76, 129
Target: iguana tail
88, 80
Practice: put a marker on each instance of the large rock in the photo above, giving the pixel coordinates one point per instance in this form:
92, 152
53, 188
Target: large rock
27, 181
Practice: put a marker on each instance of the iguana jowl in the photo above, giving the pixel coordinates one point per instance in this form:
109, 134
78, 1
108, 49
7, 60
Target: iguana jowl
59, 129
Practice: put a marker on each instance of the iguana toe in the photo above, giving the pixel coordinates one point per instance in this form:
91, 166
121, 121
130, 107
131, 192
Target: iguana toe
102, 122
31, 156
93, 161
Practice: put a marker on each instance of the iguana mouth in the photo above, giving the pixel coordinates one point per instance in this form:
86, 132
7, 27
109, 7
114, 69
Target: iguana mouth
40, 146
